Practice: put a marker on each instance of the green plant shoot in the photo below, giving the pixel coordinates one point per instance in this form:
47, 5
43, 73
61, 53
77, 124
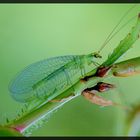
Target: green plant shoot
48, 84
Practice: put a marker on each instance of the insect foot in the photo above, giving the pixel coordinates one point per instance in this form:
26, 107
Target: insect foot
101, 87
102, 71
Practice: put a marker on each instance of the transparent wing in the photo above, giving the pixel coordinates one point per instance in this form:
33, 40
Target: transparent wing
45, 77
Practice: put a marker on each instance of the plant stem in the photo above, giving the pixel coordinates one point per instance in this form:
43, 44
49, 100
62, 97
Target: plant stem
26, 122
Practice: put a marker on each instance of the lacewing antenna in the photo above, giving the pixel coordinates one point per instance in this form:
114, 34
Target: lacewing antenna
112, 34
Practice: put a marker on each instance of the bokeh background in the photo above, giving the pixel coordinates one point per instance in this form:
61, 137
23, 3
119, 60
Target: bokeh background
32, 32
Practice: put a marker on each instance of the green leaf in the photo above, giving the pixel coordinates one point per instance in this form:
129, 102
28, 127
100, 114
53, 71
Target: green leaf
124, 44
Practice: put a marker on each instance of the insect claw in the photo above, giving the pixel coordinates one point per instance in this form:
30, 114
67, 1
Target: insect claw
101, 87
102, 71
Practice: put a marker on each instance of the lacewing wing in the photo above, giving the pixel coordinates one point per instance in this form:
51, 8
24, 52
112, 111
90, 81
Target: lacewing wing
48, 78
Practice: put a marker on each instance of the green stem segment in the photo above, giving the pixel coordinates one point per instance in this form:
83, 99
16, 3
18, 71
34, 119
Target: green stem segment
27, 121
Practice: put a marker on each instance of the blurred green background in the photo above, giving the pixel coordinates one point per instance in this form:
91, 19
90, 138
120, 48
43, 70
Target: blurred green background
32, 32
